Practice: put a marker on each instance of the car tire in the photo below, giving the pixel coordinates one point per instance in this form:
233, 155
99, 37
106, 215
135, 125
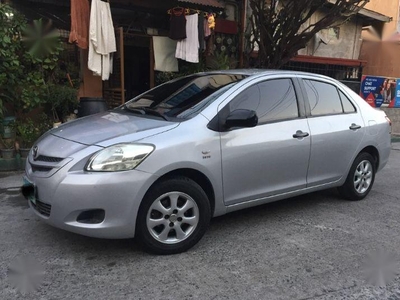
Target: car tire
173, 216
360, 179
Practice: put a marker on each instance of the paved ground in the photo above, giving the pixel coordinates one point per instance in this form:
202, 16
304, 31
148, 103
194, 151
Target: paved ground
309, 247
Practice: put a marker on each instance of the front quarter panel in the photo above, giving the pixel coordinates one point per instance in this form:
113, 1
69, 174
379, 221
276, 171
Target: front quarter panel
189, 146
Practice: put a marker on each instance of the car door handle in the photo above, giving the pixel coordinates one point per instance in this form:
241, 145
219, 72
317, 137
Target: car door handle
300, 134
354, 126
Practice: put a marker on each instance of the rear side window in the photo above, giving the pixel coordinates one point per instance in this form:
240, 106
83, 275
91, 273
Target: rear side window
348, 107
323, 98
272, 100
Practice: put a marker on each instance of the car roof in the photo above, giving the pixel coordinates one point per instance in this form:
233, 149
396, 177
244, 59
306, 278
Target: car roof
260, 72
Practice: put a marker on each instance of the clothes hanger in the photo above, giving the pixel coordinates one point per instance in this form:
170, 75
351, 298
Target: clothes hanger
169, 11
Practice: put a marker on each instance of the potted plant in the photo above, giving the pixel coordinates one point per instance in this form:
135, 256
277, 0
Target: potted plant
30, 54
61, 100
7, 127
28, 131
8, 148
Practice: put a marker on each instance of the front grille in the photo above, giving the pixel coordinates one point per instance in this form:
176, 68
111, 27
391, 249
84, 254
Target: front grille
48, 159
42, 208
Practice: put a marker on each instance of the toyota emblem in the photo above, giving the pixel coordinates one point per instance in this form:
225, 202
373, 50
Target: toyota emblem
35, 152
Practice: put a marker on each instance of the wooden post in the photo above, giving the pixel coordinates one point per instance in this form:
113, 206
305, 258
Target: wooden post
151, 63
122, 62
242, 30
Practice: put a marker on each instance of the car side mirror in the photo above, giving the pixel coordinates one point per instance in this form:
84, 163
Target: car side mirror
241, 118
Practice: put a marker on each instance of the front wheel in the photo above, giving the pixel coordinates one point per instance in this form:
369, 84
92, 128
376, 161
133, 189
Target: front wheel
173, 216
360, 178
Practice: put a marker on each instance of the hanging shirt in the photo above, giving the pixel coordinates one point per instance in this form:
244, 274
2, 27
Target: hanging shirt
202, 42
79, 23
101, 39
188, 49
177, 30
164, 54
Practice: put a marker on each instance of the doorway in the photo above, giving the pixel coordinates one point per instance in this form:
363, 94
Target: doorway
137, 65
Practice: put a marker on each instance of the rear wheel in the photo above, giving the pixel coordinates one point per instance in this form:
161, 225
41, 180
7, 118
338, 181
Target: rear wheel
360, 178
173, 216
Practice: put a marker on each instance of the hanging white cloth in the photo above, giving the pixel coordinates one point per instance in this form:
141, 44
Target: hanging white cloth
101, 39
164, 54
188, 49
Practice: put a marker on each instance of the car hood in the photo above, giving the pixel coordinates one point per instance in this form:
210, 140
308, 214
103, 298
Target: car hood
112, 126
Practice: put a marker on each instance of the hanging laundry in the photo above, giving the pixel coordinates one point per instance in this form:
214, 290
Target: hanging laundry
207, 30
177, 30
80, 12
188, 49
101, 39
202, 42
164, 54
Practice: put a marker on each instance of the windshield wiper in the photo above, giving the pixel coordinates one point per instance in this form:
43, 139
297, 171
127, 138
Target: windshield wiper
148, 111
154, 113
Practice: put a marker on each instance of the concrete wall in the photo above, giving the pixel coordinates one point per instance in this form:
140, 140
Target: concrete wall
394, 116
388, 8
382, 58
344, 41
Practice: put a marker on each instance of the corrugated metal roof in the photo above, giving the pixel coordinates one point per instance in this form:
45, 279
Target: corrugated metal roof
213, 3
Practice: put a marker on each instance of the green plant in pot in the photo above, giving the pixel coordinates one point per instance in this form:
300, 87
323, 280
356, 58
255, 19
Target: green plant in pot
62, 100
7, 148
29, 56
28, 131
7, 128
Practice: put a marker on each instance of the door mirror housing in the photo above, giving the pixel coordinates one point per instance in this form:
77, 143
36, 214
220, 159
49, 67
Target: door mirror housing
241, 118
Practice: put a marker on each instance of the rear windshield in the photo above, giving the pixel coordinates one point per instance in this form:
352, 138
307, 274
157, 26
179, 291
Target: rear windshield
182, 98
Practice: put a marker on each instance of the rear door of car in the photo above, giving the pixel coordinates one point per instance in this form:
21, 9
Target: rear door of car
336, 127
270, 158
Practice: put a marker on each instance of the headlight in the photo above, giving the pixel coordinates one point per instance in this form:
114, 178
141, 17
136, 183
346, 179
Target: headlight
119, 157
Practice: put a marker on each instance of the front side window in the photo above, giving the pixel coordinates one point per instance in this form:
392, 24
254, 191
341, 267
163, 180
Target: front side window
183, 98
272, 100
323, 98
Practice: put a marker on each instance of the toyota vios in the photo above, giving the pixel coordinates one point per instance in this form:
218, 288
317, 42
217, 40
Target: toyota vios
160, 166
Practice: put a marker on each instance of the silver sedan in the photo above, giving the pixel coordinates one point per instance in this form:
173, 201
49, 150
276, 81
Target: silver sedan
160, 166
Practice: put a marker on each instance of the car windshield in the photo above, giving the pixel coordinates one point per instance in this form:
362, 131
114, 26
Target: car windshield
183, 98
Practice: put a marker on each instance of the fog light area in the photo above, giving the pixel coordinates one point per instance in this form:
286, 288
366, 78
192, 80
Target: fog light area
94, 216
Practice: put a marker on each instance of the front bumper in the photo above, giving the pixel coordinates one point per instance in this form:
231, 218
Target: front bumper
65, 191
118, 194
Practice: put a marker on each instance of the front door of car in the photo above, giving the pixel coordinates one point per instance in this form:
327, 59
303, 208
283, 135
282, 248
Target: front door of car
337, 129
272, 157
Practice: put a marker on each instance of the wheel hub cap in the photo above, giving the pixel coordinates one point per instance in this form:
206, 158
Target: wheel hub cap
172, 217
363, 176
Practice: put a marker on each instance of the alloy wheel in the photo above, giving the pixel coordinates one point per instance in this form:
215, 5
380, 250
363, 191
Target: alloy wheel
172, 217
363, 176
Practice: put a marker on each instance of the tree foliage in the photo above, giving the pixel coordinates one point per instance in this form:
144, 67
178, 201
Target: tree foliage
281, 28
28, 61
